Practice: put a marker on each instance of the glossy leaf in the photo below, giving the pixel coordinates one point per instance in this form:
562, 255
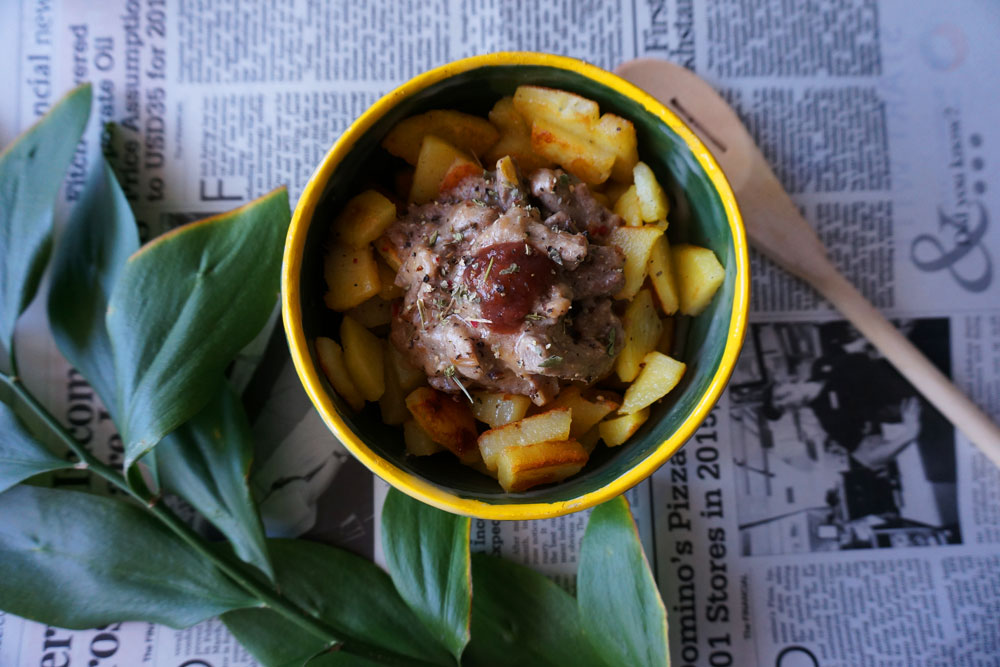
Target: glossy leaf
98, 239
206, 461
520, 617
77, 560
427, 552
21, 455
620, 606
271, 638
31, 172
183, 307
350, 594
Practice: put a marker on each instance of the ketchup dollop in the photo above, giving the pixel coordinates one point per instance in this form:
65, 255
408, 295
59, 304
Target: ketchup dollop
511, 284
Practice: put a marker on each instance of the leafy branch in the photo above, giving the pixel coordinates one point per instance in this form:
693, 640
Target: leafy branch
152, 329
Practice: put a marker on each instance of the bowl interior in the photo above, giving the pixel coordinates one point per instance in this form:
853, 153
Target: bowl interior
697, 215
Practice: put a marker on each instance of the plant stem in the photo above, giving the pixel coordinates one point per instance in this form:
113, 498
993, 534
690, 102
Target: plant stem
270, 600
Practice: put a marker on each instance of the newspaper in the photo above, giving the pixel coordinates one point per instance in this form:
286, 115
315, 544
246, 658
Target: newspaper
823, 514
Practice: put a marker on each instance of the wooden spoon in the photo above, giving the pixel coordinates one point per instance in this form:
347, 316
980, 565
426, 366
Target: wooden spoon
777, 229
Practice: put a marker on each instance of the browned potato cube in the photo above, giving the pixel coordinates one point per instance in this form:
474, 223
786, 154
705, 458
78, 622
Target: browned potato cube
659, 375
551, 425
652, 199
497, 409
448, 422
438, 159
364, 218
521, 468
363, 358
699, 275
642, 331
331, 360
661, 274
627, 206
515, 137
374, 312
556, 106
417, 440
410, 377
576, 153
586, 412
351, 276
470, 133
615, 432
637, 244
392, 404
388, 253
618, 135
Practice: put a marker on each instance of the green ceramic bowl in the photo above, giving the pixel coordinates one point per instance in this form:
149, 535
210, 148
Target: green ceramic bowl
703, 212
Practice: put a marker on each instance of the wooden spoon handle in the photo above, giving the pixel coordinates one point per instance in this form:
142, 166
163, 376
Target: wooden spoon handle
914, 366
777, 229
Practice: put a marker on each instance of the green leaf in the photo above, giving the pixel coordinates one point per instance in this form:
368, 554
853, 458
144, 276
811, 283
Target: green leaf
350, 594
31, 172
620, 606
97, 241
427, 552
206, 461
21, 455
183, 307
520, 617
77, 560
271, 638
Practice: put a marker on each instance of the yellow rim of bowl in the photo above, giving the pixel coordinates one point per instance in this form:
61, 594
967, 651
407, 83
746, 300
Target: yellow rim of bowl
422, 489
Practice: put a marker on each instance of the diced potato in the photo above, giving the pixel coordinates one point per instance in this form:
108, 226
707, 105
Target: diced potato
615, 190
661, 274
374, 312
497, 409
590, 439
637, 244
618, 135
469, 133
659, 375
627, 207
390, 290
448, 421
551, 425
585, 412
699, 275
480, 467
556, 106
331, 360
521, 468
438, 159
364, 218
515, 137
402, 182
616, 431
392, 404
507, 172
351, 276
642, 331
601, 199
363, 358
666, 342
576, 153
418, 442
652, 199
388, 253
410, 377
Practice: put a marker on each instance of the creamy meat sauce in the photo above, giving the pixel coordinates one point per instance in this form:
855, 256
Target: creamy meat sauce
509, 286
